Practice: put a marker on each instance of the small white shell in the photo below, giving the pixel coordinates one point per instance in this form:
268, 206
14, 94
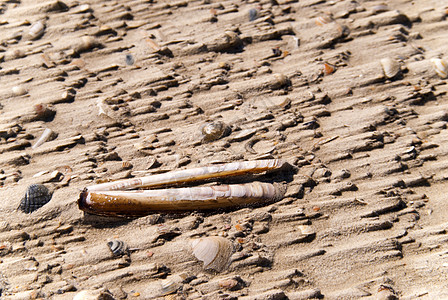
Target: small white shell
391, 67
306, 229
214, 251
440, 66
19, 90
171, 284
36, 30
46, 135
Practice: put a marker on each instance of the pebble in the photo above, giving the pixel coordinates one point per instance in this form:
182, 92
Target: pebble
19, 90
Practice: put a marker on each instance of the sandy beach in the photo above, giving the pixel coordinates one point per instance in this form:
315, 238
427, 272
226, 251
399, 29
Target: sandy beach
349, 96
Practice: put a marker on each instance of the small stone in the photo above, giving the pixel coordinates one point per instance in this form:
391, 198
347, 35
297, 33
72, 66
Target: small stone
19, 90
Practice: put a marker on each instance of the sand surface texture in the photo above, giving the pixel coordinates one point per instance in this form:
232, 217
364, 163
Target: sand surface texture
344, 91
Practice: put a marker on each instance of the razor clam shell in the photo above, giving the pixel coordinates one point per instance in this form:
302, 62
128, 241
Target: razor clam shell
117, 247
143, 202
440, 67
214, 251
36, 196
191, 175
391, 67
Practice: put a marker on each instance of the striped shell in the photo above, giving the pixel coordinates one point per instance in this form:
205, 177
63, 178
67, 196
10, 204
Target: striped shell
440, 67
171, 284
36, 196
322, 20
214, 251
391, 67
214, 131
118, 248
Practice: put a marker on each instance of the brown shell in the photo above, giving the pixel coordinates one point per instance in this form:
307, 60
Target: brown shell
144, 202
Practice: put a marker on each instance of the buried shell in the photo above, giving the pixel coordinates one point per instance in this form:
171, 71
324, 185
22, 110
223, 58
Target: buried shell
440, 67
118, 248
19, 90
214, 251
46, 135
36, 30
391, 67
322, 20
36, 196
171, 284
214, 131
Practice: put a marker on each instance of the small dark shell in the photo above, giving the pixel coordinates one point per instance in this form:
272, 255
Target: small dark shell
36, 196
253, 14
129, 59
214, 131
117, 247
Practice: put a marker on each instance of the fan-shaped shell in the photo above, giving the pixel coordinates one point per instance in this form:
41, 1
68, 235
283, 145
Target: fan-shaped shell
391, 67
36, 196
117, 247
214, 251
440, 66
171, 284
214, 130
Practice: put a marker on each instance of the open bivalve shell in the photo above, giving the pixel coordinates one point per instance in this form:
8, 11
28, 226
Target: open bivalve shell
440, 67
214, 251
391, 67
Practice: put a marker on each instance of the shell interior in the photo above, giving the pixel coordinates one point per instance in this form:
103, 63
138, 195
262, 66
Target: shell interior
36, 196
214, 251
